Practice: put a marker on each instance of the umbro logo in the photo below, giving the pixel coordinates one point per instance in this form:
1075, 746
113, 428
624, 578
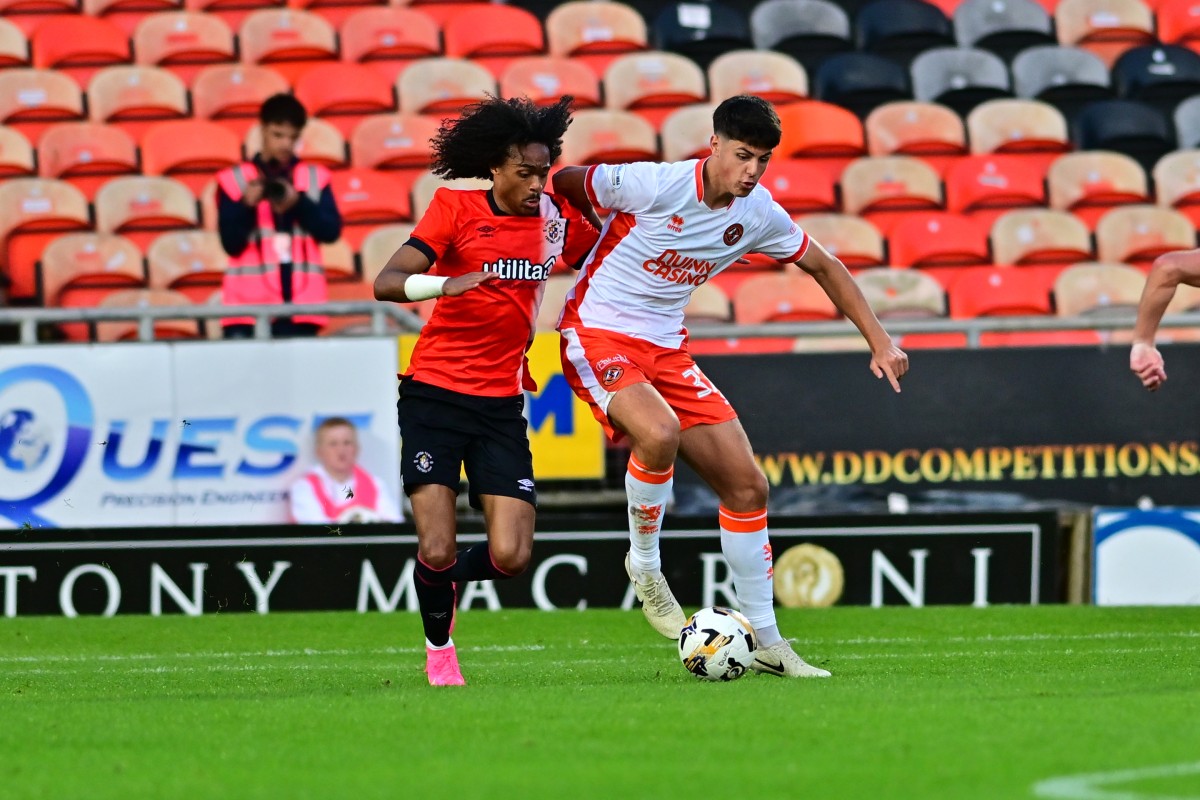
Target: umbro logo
485, 231
525, 485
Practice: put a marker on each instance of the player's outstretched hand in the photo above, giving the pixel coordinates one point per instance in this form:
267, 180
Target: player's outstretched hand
1147, 363
892, 362
465, 283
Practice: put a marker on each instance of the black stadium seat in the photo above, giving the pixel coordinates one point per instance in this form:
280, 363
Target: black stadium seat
861, 82
901, 29
701, 31
1161, 75
1140, 131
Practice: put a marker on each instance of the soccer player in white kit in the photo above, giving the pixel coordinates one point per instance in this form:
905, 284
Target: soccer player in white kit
624, 347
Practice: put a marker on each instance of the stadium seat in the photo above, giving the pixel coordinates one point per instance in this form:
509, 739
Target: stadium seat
86, 154
232, 94
901, 29
32, 100
337, 259
367, 198
544, 79
14, 46
1005, 27
595, 33
701, 32
708, 304
902, 293
141, 208
393, 141
653, 84
33, 211
929, 131
860, 82
493, 35
380, 245
686, 133
135, 97
320, 143
1097, 289
959, 77
1187, 298
288, 41
1159, 75
1089, 184
191, 151
1106, 28
80, 269
146, 298
389, 39
888, 188
1032, 130
442, 86
1138, 234
823, 134
1036, 236
852, 239
191, 262
938, 239
807, 30
1186, 119
602, 136
1177, 183
26, 15
16, 154
999, 292
232, 12
1067, 78
1139, 131
781, 297
772, 76
345, 94
442, 11
126, 14
985, 186
428, 184
798, 186
1178, 23
184, 42
79, 46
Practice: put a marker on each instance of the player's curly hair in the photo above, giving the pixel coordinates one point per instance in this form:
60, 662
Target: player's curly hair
469, 146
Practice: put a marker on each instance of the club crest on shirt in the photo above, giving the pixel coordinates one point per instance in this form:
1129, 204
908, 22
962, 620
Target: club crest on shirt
423, 462
553, 230
733, 234
612, 375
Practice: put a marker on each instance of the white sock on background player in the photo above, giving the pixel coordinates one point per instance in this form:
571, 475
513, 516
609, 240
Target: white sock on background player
647, 491
746, 547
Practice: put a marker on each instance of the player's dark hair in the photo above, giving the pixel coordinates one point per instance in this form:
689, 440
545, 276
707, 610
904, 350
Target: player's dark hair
749, 119
283, 108
472, 144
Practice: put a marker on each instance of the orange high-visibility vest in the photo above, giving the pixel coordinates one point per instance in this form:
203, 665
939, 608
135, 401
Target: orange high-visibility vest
253, 277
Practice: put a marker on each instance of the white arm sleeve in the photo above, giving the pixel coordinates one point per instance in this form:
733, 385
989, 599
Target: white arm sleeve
306, 509
631, 188
781, 238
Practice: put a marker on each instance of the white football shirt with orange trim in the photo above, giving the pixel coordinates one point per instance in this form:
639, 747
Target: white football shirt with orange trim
661, 242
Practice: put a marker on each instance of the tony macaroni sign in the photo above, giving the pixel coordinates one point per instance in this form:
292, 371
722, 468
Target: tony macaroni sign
193, 433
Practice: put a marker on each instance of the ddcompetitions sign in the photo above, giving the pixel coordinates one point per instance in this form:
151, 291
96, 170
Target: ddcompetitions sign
185, 434
1062, 423
905, 560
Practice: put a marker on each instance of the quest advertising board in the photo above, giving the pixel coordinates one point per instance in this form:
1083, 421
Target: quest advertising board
182, 434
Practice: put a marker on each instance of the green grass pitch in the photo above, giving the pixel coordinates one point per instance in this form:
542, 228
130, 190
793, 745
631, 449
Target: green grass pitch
1004, 702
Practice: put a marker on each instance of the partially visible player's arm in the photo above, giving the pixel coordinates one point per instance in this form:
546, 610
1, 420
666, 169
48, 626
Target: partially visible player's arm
1169, 270
832, 276
403, 279
570, 183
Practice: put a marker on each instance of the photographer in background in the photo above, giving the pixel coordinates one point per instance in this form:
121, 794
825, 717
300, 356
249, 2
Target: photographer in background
272, 212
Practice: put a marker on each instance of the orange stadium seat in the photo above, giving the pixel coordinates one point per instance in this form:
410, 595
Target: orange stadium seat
32, 100
320, 142
442, 86
822, 133
772, 76
595, 33
335, 12
86, 154
902, 293
232, 12
345, 94
781, 297
81, 269
544, 79
14, 46
1033, 130
79, 46
985, 186
886, 189
337, 259
184, 42
1177, 182
852, 239
33, 211
141, 208
191, 151
1138, 234
798, 186
1088, 184
1095, 289
126, 14
232, 94
146, 298
999, 292
288, 41
1030, 236
493, 35
1178, 23
16, 154
653, 84
600, 136
135, 97
1106, 28
443, 10
388, 39
427, 185
367, 198
929, 131
28, 14
191, 262
938, 239
379, 246
686, 133
393, 141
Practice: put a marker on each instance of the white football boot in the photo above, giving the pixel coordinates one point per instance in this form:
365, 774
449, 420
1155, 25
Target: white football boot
661, 608
779, 659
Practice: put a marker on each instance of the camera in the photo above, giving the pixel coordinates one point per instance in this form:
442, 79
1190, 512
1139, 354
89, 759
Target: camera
274, 190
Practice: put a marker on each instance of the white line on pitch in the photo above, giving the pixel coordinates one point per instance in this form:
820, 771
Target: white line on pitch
1093, 786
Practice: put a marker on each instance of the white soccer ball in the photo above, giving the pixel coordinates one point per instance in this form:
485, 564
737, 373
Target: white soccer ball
717, 644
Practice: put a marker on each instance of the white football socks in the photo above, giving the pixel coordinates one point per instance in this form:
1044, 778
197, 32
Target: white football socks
746, 547
647, 491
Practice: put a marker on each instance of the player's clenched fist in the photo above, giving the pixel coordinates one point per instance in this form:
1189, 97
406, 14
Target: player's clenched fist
455, 286
891, 362
1147, 363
